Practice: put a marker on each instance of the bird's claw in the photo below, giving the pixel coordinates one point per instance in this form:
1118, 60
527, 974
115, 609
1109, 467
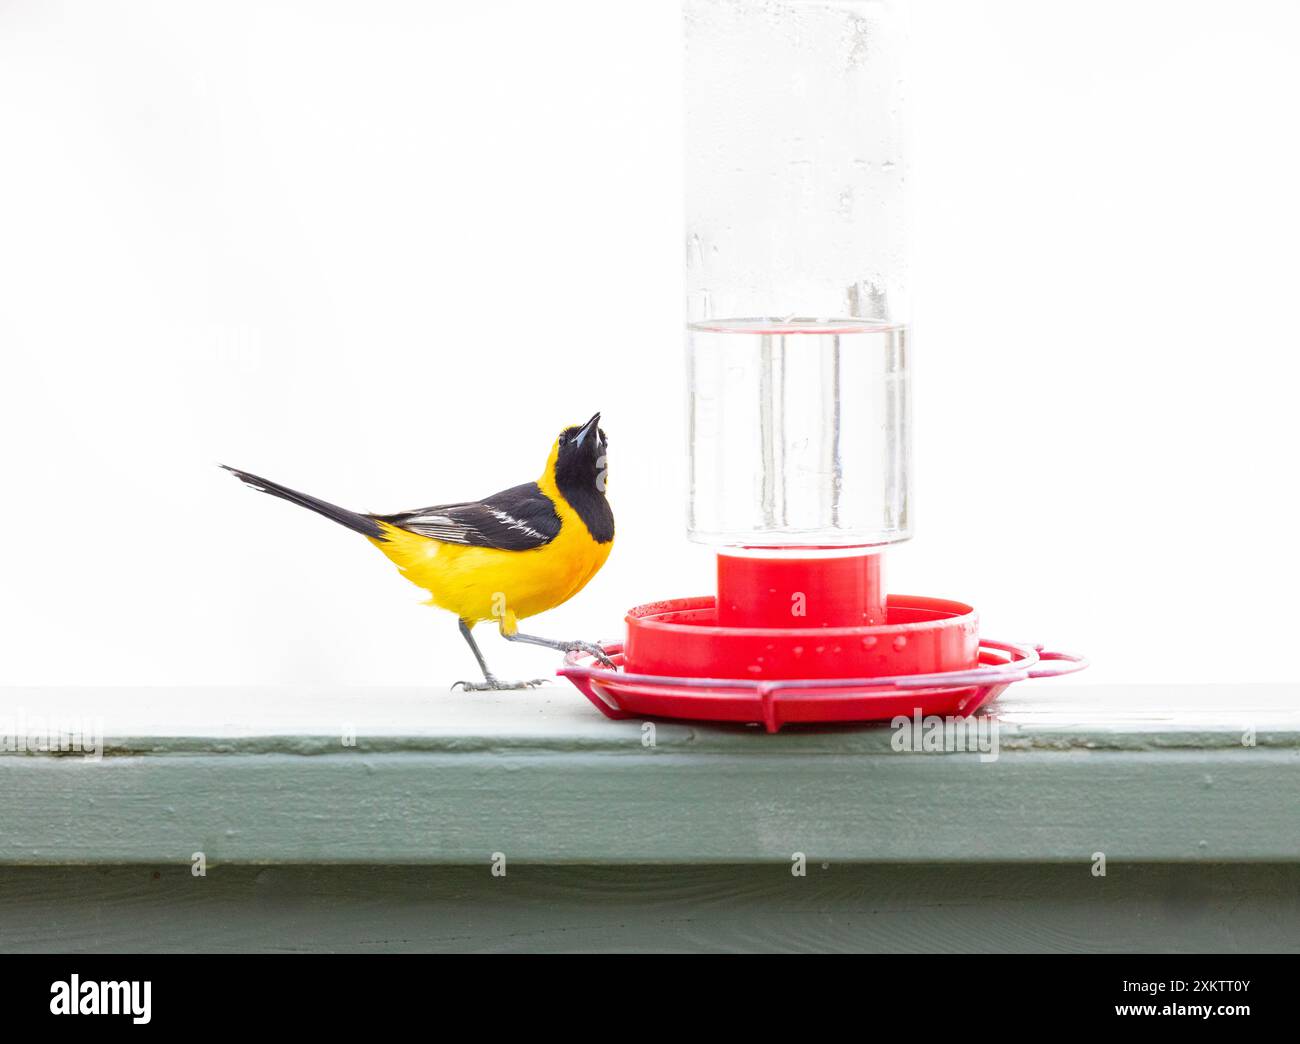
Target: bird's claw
592, 649
497, 685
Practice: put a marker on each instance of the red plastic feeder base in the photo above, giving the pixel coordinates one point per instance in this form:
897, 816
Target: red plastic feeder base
805, 640
682, 638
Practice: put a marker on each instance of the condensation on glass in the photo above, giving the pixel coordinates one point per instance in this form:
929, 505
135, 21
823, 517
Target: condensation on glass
796, 310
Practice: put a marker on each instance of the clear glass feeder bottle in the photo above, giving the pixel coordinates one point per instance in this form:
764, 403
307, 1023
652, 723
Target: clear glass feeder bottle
796, 310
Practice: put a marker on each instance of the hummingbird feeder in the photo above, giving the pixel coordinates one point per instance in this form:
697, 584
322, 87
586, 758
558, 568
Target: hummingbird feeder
799, 424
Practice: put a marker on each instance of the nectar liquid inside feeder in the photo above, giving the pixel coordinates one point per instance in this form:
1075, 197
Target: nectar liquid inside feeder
799, 424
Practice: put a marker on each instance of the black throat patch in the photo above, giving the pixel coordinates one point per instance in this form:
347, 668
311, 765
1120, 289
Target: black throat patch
589, 502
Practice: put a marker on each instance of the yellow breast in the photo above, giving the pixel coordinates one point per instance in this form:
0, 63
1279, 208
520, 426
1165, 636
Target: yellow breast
485, 583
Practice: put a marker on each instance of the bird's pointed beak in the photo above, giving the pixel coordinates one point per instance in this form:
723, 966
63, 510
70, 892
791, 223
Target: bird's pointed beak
586, 430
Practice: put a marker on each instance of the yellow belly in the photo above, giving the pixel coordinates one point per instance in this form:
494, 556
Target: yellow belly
484, 583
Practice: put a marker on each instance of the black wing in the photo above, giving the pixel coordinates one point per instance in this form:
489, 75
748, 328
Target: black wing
516, 519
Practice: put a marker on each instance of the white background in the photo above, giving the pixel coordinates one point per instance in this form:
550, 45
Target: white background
383, 251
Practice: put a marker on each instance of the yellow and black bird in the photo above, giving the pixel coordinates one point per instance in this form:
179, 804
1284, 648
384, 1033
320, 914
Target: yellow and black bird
505, 557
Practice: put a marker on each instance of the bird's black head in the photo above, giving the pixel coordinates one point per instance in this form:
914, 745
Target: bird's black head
579, 463
580, 456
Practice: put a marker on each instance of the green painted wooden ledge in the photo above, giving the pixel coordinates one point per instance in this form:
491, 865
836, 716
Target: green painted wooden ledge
1154, 774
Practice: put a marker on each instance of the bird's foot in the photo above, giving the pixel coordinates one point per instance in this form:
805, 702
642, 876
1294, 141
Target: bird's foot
591, 649
497, 685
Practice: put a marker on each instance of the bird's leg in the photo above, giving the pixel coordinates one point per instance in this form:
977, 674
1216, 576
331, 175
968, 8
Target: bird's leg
590, 648
490, 681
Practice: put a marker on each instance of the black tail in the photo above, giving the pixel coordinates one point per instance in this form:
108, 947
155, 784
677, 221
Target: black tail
363, 524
